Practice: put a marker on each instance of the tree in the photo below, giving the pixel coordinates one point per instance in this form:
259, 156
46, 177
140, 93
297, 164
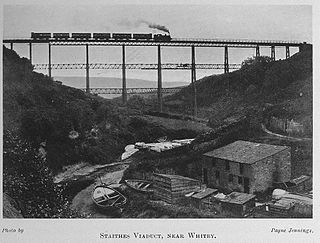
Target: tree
29, 181
254, 68
251, 61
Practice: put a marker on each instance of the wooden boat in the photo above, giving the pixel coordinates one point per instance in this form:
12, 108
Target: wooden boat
106, 197
140, 185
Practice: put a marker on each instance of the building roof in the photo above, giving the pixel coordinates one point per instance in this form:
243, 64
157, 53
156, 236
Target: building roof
176, 177
245, 152
203, 194
238, 198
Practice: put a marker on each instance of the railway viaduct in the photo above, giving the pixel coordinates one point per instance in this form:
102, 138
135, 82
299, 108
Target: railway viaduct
175, 42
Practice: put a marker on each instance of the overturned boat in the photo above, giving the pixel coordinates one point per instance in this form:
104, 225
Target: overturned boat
140, 185
106, 197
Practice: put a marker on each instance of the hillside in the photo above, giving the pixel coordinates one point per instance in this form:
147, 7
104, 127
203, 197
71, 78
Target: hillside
286, 85
41, 111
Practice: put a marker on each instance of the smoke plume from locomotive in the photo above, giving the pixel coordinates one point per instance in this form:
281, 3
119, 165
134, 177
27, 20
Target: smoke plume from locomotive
156, 26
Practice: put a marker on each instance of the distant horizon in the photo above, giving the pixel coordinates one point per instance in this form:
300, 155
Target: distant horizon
114, 82
113, 77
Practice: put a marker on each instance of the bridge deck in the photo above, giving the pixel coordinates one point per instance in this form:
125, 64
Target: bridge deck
174, 42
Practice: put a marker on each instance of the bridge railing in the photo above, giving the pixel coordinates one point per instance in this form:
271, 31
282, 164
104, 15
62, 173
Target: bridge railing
237, 40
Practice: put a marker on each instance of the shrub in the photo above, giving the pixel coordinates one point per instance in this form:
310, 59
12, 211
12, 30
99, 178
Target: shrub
28, 180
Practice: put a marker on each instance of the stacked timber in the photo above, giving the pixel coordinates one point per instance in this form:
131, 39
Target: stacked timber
171, 188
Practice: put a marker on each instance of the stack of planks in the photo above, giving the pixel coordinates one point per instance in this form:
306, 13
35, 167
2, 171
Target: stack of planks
171, 188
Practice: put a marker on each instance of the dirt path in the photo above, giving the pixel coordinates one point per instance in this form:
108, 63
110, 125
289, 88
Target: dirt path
282, 136
83, 203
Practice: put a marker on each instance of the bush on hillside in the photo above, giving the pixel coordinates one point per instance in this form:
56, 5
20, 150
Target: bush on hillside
253, 69
137, 102
28, 180
251, 61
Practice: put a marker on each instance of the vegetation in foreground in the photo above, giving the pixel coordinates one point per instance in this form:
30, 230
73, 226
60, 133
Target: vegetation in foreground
29, 181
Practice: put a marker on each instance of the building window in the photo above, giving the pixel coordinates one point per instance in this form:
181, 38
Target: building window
213, 163
227, 165
240, 180
230, 178
241, 169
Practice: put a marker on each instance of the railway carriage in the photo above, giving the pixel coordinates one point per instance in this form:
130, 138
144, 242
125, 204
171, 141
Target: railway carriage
121, 36
40, 36
61, 36
142, 36
101, 36
81, 36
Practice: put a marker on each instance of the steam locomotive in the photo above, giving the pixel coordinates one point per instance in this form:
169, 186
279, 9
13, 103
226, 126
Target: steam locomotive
99, 36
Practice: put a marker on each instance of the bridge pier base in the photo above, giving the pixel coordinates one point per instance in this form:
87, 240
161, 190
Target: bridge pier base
159, 80
193, 80
87, 70
257, 51
124, 81
30, 52
273, 53
49, 66
11, 46
226, 60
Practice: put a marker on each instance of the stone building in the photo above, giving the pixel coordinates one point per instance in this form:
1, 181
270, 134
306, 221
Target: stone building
246, 166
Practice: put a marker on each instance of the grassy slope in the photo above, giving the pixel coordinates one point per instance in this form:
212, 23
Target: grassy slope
279, 83
40, 110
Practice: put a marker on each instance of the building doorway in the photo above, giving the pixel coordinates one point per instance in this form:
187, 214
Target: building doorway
217, 177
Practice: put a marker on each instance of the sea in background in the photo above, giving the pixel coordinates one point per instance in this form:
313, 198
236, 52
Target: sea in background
113, 82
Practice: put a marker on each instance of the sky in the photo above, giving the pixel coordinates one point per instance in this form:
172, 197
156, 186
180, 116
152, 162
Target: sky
261, 22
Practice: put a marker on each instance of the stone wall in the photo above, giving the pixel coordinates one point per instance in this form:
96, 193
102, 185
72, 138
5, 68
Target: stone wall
263, 173
286, 126
284, 165
224, 182
294, 127
276, 168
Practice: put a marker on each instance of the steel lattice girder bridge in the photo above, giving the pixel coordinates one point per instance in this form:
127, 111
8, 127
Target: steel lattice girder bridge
132, 90
142, 66
173, 42
192, 43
